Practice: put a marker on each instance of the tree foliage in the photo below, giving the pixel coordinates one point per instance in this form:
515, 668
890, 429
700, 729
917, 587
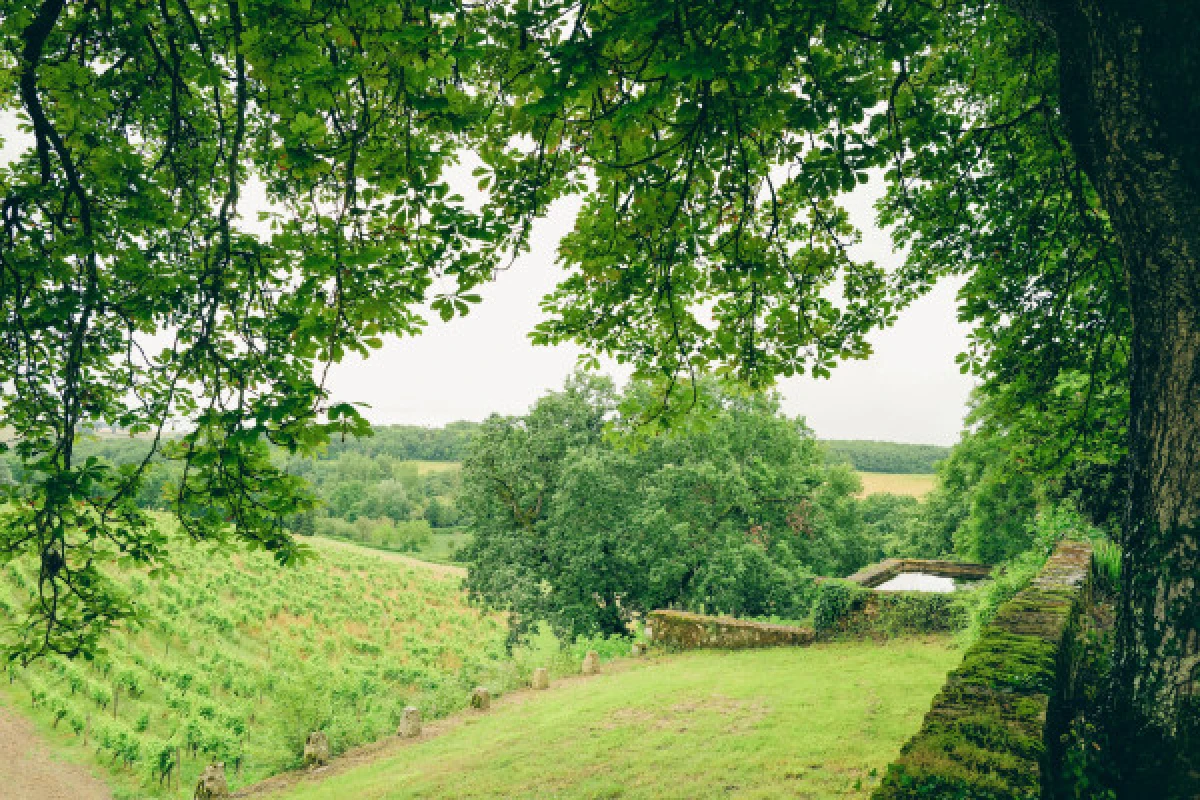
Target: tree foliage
576, 524
135, 291
1045, 149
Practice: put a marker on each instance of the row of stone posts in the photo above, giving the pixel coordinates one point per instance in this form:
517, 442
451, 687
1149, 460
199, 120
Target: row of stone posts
212, 785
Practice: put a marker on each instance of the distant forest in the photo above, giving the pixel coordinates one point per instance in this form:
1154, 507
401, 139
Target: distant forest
891, 457
450, 443
411, 442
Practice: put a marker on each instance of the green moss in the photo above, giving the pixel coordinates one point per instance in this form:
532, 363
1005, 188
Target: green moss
985, 736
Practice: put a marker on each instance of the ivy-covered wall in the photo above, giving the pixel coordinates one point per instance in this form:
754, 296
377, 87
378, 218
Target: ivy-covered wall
985, 736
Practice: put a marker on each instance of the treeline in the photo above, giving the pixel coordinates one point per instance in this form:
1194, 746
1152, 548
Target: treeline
379, 500
370, 489
410, 442
890, 457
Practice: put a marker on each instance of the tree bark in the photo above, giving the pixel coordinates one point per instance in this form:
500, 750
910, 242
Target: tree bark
1130, 78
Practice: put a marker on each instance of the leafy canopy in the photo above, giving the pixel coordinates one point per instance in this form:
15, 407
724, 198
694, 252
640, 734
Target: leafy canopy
712, 141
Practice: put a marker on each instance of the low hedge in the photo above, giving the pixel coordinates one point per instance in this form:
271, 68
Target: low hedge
843, 607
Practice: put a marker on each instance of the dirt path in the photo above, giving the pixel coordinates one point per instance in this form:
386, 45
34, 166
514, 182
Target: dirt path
438, 569
361, 756
28, 771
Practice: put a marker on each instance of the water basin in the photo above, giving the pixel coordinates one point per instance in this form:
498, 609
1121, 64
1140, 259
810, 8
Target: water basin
917, 582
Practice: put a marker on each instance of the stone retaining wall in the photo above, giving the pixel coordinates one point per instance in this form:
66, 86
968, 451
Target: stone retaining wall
884, 571
986, 734
685, 631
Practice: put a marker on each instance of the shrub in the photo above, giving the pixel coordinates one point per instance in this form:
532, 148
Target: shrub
919, 612
835, 600
1049, 527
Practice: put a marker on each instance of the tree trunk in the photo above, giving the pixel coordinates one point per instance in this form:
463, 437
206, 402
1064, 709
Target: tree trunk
1130, 77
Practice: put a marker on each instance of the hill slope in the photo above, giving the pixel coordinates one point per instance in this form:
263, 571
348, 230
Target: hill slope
239, 659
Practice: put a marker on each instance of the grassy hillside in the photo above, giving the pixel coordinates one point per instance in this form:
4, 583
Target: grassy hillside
238, 659
881, 482
888, 457
819, 722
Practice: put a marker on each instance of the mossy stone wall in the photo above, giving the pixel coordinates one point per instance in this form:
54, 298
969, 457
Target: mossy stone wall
985, 737
686, 631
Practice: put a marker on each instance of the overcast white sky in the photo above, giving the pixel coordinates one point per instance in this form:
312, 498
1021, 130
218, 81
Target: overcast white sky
909, 391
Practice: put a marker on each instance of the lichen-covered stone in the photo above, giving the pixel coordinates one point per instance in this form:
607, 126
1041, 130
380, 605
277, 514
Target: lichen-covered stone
591, 663
481, 699
685, 631
541, 678
212, 784
410, 723
316, 749
986, 734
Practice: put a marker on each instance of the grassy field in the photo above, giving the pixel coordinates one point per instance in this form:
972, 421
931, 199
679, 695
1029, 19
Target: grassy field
818, 722
443, 547
428, 467
881, 482
238, 659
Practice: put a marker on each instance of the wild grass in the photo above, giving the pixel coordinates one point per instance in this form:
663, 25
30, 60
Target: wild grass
821, 722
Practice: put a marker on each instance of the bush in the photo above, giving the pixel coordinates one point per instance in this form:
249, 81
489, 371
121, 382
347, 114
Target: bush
835, 600
920, 612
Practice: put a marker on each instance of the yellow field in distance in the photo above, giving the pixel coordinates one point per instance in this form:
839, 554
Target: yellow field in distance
880, 482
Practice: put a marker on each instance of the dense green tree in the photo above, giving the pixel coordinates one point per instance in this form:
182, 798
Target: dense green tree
891, 520
731, 512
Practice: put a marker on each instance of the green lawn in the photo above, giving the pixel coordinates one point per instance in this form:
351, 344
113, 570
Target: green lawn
818, 722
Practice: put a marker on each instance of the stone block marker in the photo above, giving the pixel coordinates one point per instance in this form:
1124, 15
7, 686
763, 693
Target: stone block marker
591, 663
638, 649
212, 785
410, 723
541, 678
686, 631
316, 749
481, 699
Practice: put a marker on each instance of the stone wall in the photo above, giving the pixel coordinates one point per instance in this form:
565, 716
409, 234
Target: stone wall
685, 631
986, 734
884, 571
